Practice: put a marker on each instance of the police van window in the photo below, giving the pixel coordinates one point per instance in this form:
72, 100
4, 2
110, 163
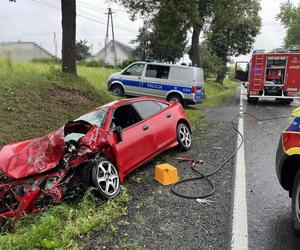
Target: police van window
135, 70
146, 108
157, 71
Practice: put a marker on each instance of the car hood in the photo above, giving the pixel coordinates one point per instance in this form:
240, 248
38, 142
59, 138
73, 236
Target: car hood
115, 75
31, 157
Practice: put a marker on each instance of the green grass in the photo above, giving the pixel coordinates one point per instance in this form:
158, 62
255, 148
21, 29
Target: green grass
216, 94
35, 99
62, 226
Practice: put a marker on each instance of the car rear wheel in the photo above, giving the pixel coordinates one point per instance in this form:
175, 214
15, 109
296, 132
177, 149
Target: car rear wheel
175, 98
105, 178
296, 203
117, 90
184, 137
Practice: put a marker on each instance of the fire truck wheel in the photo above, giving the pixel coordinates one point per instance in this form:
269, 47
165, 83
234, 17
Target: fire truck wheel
252, 99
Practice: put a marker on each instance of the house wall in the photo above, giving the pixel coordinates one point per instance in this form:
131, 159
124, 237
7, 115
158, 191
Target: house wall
110, 58
23, 52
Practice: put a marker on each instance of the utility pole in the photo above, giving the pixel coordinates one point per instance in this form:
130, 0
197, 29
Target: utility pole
55, 44
110, 19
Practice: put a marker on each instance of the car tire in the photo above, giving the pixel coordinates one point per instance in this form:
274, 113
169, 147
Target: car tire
105, 178
296, 203
117, 90
184, 137
175, 98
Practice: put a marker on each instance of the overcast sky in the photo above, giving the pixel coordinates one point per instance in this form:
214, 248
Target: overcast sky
37, 20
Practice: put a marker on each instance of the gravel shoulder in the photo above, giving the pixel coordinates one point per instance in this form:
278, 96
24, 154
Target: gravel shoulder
157, 219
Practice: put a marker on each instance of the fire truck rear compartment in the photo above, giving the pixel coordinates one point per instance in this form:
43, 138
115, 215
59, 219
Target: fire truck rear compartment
275, 77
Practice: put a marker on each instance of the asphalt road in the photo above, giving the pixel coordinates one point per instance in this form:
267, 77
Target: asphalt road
268, 205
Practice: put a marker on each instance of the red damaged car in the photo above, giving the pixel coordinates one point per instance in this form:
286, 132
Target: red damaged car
98, 149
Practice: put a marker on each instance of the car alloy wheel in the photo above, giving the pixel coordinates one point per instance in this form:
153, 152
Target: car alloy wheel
106, 178
184, 136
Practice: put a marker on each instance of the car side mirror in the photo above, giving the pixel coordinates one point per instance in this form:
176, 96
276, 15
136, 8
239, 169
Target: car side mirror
119, 132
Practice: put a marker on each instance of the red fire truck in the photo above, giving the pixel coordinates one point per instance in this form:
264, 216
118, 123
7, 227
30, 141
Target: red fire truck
271, 75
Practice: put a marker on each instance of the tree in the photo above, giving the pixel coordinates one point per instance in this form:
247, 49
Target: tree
233, 35
169, 37
211, 64
196, 13
143, 49
290, 18
68, 11
164, 35
82, 50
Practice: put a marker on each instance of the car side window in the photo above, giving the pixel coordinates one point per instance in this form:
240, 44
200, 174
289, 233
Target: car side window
125, 116
135, 70
147, 108
157, 71
162, 105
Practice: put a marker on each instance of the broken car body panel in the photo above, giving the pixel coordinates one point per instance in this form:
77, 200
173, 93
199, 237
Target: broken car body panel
43, 171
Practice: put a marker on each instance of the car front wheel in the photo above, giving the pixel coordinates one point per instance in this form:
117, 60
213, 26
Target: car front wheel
184, 137
105, 178
296, 203
117, 90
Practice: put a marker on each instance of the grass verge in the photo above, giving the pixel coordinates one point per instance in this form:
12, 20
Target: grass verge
216, 94
62, 226
35, 99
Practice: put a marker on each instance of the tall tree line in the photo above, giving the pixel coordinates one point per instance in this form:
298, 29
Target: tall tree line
228, 27
290, 18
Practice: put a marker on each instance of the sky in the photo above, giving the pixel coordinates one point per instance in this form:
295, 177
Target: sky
38, 20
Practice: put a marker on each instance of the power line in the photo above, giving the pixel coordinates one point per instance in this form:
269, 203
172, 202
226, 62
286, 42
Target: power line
81, 15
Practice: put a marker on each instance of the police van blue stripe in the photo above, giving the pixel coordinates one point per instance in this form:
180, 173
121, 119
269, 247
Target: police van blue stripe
154, 85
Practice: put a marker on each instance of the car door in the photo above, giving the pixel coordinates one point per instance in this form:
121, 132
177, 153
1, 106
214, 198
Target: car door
161, 121
155, 81
132, 79
137, 143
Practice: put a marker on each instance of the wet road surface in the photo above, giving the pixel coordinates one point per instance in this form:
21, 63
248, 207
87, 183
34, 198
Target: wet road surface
268, 204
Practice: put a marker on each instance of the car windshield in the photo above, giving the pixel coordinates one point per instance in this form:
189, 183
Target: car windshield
96, 117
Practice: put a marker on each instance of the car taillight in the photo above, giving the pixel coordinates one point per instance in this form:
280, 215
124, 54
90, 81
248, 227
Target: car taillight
194, 89
291, 140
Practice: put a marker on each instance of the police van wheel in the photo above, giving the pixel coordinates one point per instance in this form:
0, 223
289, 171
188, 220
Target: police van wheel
117, 90
175, 98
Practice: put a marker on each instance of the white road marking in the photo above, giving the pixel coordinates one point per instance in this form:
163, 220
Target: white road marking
239, 239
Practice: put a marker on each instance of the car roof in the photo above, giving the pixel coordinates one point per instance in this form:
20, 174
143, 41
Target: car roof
131, 100
168, 64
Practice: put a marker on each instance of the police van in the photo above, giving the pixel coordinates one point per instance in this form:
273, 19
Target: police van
173, 82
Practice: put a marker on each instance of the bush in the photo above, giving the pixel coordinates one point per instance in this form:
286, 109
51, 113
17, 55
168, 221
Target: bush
46, 60
126, 62
96, 63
